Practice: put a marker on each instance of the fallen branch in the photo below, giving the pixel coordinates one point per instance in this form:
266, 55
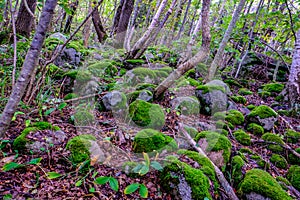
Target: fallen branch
228, 189
285, 146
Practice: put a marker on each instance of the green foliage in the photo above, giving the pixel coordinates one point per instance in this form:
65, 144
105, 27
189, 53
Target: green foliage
53, 175
79, 148
216, 142
237, 163
270, 137
292, 136
279, 161
242, 137
245, 91
147, 115
255, 129
143, 191
239, 99
293, 176
103, 68
294, 159
273, 87
235, 117
148, 140
263, 183
263, 112
113, 183
70, 96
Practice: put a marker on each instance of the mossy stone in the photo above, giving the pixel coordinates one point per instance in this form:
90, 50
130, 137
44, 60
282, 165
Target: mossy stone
255, 129
264, 94
235, 117
279, 161
207, 88
294, 159
260, 162
219, 116
293, 176
132, 96
251, 107
103, 68
135, 61
145, 86
145, 114
237, 163
81, 76
292, 136
263, 112
232, 82
270, 137
261, 182
140, 75
216, 142
83, 117
245, 91
195, 178
273, 87
79, 147
191, 131
187, 105
21, 141
242, 137
283, 182
239, 99
168, 70
148, 140
246, 150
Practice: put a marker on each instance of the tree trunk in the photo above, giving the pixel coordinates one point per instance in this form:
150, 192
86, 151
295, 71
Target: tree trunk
184, 20
73, 7
98, 26
29, 65
117, 17
25, 19
87, 28
141, 42
294, 77
199, 57
219, 55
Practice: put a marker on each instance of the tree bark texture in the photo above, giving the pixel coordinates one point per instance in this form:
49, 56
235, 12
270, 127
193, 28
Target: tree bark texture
98, 26
73, 6
24, 20
29, 65
199, 57
218, 57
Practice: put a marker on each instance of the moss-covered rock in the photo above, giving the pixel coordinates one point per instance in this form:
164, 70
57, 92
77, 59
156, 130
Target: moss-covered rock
140, 75
292, 136
245, 91
264, 116
251, 107
273, 87
255, 129
261, 182
279, 161
115, 101
270, 137
103, 68
260, 162
83, 117
293, 176
242, 137
215, 144
239, 99
235, 117
237, 163
182, 180
81, 76
294, 159
145, 114
219, 116
145, 86
186, 105
21, 141
79, 148
208, 88
232, 82
148, 140
145, 95
264, 94
246, 150
283, 182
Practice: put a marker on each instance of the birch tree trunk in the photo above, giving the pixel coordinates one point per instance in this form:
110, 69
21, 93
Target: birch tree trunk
29, 65
141, 42
294, 77
199, 57
214, 65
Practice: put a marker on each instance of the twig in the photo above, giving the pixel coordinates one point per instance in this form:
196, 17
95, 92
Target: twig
228, 189
287, 123
291, 19
12, 12
275, 52
28, 9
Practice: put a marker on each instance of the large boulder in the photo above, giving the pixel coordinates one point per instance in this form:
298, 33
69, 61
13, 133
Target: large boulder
186, 105
115, 100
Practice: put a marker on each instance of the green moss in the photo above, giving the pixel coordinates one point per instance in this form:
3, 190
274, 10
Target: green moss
103, 68
21, 141
255, 129
193, 82
205, 165
145, 86
251, 107
83, 118
279, 161
293, 176
79, 148
188, 106
263, 112
239, 99
70, 96
191, 131
196, 179
207, 88
283, 182
148, 140
232, 82
261, 182
146, 114
270, 137
237, 163
294, 159
246, 150
273, 87
140, 75
135, 61
292, 136
260, 162
222, 132
235, 117
191, 73
219, 116
242, 137
81, 76
216, 142
168, 70
264, 94
132, 96
245, 91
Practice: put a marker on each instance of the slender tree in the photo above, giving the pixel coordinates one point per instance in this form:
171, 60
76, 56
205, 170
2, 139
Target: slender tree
101, 33
69, 21
28, 67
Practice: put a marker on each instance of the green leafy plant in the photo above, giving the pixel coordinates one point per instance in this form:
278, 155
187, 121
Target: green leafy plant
13, 165
144, 167
113, 183
143, 191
